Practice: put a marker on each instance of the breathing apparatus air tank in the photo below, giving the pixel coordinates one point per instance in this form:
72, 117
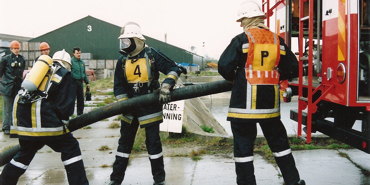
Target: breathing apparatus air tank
37, 73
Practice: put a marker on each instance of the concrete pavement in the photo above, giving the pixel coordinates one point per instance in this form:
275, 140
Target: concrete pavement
316, 167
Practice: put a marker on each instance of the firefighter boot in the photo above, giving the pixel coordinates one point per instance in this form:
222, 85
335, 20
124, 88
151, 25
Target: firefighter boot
158, 170
288, 169
301, 182
159, 183
119, 169
113, 182
245, 173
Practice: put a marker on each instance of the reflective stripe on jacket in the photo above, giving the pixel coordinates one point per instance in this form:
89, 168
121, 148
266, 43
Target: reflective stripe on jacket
138, 76
43, 118
251, 61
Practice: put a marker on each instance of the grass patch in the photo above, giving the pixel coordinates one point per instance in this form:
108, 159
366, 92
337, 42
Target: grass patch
109, 100
196, 155
207, 129
1, 109
139, 144
104, 148
114, 125
297, 144
101, 104
118, 118
105, 93
264, 150
196, 158
317, 143
177, 142
86, 127
101, 84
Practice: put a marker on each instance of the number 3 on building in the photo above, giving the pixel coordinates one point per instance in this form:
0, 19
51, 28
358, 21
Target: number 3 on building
89, 28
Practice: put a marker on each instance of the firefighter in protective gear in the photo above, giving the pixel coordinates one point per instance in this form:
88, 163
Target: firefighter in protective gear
43, 122
36, 75
137, 74
11, 73
63, 58
254, 62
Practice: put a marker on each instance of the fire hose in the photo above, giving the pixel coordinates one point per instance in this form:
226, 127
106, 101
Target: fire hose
126, 106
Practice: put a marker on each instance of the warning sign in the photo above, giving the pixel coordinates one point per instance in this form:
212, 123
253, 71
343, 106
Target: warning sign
173, 115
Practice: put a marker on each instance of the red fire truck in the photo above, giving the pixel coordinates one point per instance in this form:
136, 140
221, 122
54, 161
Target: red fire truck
333, 87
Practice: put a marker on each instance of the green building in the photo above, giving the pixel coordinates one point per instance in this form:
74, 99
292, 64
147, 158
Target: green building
99, 38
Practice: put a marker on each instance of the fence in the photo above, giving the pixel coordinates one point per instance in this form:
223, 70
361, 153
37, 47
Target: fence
102, 68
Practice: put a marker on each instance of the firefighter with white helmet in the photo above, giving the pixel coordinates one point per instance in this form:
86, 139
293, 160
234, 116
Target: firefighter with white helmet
63, 58
50, 127
137, 74
11, 73
254, 62
249, 9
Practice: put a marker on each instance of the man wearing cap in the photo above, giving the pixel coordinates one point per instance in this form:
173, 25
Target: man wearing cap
11, 73
255, 61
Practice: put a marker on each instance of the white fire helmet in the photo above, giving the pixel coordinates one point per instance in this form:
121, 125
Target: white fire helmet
62, 56
130, 30
249, 9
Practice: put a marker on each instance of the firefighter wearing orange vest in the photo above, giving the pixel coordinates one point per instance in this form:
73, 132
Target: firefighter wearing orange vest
254, 62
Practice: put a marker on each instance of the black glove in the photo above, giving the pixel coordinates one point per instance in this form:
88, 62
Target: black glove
165, 93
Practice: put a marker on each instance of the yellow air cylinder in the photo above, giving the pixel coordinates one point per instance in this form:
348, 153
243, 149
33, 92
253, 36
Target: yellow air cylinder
37, 73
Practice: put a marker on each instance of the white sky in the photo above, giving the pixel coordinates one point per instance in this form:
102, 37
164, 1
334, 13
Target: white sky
186, 22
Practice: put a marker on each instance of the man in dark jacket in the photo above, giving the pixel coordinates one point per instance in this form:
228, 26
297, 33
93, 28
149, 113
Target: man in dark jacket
42, 120
79, 75
11, 73
254, 62
137, 74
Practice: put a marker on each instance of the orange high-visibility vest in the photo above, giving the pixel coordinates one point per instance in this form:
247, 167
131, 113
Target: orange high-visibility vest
263, 57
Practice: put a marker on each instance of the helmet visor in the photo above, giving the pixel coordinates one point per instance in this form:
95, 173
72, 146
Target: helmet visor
124, 43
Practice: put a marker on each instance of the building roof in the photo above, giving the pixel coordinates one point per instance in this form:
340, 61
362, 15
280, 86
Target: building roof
100, 38
7, 37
